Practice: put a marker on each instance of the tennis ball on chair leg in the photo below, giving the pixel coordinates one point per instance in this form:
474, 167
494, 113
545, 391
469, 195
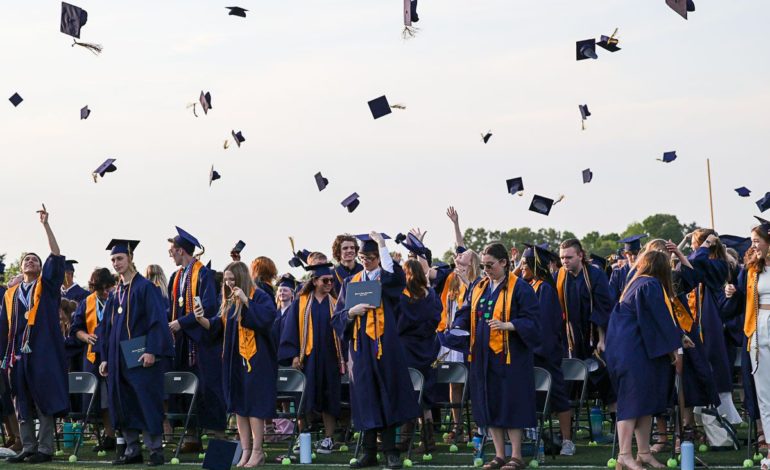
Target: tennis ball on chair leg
672, 463
748, 463
611, 463
174, 461
73, 458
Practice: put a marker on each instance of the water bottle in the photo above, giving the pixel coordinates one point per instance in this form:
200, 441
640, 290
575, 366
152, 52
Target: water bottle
596, 420
541, 452
305, 448
688, 456
120, 446
477, 445
68, 435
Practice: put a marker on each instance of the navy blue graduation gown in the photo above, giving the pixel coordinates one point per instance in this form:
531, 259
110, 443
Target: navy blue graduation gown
75, 293
380, 389
617, 283
79, 324
252, 392
417, 323
341, 273
40, 376
640, 335
322, 366
698, 384
503, 395
587, 307
712, 276
196, 353
550, 351
734, 309
135, 395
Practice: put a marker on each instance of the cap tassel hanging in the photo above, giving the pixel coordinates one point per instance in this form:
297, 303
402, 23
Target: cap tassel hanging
410, 15
192, 105
96, 49
559, 199
198, 256
398, 106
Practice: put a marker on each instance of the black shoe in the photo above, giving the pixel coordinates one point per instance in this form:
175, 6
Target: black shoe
108, 443
20, 457
123, 460
155, 460
39, 457
368, 460
393, 461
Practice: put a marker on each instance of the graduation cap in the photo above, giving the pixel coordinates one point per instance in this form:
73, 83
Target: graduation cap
743, 191
485, 137
609, 43
543, 205
238, 137
185, 241
410, 16
213, 175
668, 157
588, 175
299, 259
598, 261
119, 245
72, 19
584, 112
540, 255
739, 244
69, 265
368, 245
84, 112
764, 203
322, 269
238, 247
205, 101
414, 245
379, 107
632, 243
287, 280
320, 181
682, 7
765, 224
106, 167
515, 185
351, 202
16, 99
221, 454
586, 49
237, 11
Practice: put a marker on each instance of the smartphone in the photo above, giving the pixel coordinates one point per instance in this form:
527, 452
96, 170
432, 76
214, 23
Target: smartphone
197, 301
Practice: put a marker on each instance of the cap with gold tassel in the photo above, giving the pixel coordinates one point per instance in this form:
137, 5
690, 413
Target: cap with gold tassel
410, 16
72, 19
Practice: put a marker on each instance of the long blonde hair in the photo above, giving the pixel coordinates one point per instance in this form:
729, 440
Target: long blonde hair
474, 271
243, 281
154, 273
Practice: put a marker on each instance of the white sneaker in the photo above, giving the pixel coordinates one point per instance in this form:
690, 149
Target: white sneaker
326, 446
567, 448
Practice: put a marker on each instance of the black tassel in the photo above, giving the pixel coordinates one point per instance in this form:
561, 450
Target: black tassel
96, 49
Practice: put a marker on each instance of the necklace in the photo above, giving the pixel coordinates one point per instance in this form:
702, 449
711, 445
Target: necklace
121, 296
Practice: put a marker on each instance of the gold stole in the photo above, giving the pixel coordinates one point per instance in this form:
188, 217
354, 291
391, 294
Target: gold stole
91, 322
375, 322
561, 289
306, 329
188, 302
695, 302
459, 296
752, 305
31, 313
247, 341
498, 339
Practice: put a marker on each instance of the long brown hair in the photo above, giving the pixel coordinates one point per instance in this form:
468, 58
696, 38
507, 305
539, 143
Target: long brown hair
751, 259
242, 280
416, 280
654, 264
263, 270
717, 250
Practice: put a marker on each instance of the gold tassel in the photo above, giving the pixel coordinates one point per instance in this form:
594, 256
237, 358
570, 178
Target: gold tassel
397, 106
559, 199
291, 240
227, 144
409, 32
95, 49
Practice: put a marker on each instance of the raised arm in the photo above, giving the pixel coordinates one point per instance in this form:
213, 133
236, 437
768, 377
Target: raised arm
455, 218
52, 243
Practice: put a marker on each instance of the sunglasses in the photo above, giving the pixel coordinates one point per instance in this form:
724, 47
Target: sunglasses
326, 280
486, 266
367, 257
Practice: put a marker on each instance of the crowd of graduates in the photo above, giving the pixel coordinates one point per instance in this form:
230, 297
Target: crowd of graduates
647, 318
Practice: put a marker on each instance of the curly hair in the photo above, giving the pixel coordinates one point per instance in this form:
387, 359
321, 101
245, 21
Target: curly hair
101, 280
337, 245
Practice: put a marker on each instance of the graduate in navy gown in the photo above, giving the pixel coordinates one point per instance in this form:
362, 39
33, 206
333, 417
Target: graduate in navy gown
344, 252
136, 309
382, 396
284, 297
631, 247
70, 290
550, 352
249, 362
310, 343
33, 350
419, 313
85, 323
642, 340
502, 316
710, 263
193, 348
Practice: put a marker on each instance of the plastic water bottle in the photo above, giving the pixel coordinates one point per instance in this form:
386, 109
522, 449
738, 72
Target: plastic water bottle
305, 448
120, 446
596, 423
688, 456
477, 445
541, 452
68, 435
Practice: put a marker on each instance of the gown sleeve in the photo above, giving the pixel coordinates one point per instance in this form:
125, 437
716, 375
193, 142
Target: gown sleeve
526, 317
159, 341
660, 335
288, 348
712, 272
600, 290
735, 306
260, 314
78, 320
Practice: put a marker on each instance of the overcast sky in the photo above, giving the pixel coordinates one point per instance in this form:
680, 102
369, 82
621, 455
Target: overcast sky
295, 77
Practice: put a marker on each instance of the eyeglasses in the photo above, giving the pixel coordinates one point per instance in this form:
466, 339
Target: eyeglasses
326, 280
367, 257
486, 266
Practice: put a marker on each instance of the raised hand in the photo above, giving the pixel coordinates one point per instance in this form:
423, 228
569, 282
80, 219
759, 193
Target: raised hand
43, 215
452, 214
